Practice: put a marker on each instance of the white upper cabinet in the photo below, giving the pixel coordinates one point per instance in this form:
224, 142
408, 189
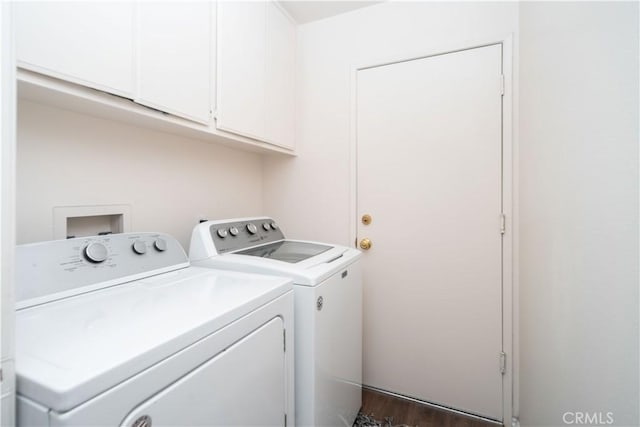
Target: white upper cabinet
280, 78
156, 53
89, 43
255, 75
240, 76
184, 58
173, 58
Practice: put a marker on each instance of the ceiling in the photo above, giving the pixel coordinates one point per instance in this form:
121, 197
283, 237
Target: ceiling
304, 11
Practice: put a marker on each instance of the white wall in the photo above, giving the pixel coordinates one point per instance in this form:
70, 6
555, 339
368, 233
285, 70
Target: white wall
69, 159
310, 194
578, 177
579, 211
578, 167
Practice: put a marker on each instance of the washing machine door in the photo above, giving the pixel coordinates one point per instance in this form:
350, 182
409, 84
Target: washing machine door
243, 385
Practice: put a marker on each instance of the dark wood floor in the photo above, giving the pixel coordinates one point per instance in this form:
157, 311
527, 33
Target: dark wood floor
403, 411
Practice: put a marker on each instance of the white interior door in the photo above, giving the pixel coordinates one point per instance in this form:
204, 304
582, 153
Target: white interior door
429, 172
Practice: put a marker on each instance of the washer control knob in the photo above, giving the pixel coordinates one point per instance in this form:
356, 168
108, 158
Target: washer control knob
222, 233
234, 231
139, 247
251, 228
266, 226
160, 244
96, 252
274, 226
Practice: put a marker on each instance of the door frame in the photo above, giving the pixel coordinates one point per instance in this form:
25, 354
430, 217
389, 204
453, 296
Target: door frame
510, 294
8, 113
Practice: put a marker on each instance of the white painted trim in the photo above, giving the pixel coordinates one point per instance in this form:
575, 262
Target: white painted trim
135, 50
353, 158
445, 48
213, 62
296, 85
164, 109
507, 238
72, 79
509, 270
69, 96
216, 119
284, 11
7, 212
510, 106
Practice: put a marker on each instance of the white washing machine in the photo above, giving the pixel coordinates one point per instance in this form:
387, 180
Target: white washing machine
120, 330
328, 308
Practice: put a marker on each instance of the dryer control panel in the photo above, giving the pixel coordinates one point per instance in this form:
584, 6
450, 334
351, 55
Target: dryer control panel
244, 233
56, 269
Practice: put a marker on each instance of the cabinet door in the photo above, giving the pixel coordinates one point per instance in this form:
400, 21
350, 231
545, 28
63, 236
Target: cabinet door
89, 43
280, 77
241, 68
174, 55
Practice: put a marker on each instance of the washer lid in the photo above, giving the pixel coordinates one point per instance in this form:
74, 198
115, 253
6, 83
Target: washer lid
287, 251
70, 350
310, 270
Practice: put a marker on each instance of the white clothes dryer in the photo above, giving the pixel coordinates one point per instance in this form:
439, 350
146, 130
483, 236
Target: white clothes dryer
328, 308
120, 330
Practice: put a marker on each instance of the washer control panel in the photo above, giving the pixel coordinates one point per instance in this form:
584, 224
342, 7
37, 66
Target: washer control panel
236, 235
61, 266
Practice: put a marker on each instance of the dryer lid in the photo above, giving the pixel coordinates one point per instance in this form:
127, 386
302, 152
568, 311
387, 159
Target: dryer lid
71, 350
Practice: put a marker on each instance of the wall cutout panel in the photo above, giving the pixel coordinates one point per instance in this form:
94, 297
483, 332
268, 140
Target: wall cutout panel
79, 221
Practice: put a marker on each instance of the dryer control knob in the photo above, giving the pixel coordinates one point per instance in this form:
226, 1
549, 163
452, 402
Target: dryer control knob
266, 226
96, 252
222, 233
251, 228
139, 247
160, 245
274, 226
234, 231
